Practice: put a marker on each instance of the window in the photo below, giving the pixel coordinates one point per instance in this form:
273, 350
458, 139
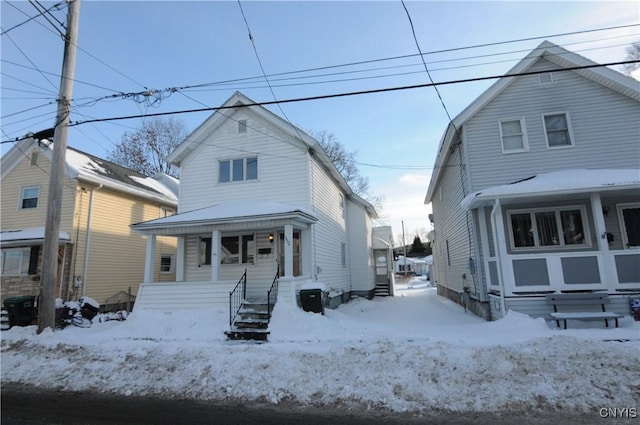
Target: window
167, 212
629, 215
34, 158
343, 253
341, 201
29, 198
20, 261
557, 130
237, 249
242, 126
238, 170
513, 135
204, 251
548, 228
166, 263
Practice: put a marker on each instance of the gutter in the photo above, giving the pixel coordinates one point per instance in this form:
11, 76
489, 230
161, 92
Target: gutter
85, 267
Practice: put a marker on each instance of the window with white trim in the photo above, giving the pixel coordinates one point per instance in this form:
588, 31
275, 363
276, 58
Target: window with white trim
557, 130
166, 263
237, 249
629, 216
241, 169
20, 261
204, 251
242, 126
29, 197
513, 135
548, 227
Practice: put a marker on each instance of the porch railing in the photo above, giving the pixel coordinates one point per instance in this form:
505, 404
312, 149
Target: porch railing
272, 295
237, 297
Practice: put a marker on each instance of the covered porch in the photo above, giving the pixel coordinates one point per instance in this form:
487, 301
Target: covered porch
217, 245
570, 231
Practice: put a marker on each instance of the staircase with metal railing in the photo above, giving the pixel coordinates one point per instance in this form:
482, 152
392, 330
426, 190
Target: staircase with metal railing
249, 319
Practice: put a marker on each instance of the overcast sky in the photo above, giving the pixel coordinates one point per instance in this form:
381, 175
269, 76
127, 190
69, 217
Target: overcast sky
129, 47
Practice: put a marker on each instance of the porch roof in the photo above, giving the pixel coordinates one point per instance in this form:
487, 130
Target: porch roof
556, 183
244, 211
28, 236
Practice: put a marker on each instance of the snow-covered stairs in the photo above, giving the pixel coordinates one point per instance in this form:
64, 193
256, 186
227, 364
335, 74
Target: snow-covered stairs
381, 290
252, 321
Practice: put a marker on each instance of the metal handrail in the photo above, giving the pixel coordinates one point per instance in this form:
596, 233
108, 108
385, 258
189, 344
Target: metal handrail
272, 294
236, 298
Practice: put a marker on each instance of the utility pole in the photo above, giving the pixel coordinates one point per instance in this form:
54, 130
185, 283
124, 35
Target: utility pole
46, 306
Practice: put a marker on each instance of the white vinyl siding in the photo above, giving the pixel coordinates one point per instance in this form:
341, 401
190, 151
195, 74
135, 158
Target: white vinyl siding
359, 251
280, 165
596, 115
513, 135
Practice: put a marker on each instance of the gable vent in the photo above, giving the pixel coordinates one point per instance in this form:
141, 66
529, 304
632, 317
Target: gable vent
545, 78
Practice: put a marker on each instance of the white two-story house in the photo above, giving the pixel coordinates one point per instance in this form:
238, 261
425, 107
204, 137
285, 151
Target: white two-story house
536, 188
258, 194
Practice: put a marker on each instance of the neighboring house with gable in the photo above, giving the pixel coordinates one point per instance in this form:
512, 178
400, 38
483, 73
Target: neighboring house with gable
536, 189
258, 194
99, 255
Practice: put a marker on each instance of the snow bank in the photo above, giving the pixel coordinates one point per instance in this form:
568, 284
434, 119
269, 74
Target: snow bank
411, 353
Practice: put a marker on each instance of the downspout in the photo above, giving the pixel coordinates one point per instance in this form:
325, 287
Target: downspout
85, 268
494, 210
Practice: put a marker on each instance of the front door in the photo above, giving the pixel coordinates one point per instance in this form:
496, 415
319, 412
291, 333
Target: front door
296, 253
382, 266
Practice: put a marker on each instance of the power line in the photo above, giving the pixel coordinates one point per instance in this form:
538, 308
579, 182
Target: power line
390, 58
354, 93
55, 6
44, 15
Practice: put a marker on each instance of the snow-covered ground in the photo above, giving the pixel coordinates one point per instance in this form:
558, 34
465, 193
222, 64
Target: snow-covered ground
416, 352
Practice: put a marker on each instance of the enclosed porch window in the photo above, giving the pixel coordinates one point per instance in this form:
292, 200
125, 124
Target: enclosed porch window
542, 228
630, 223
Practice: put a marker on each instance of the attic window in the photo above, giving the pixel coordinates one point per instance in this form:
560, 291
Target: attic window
34, 158
242, 126
545, 78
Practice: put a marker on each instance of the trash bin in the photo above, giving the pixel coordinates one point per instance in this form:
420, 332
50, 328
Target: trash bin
312, 300
22, 310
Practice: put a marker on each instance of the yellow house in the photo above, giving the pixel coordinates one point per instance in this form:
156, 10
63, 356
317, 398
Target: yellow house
99, 255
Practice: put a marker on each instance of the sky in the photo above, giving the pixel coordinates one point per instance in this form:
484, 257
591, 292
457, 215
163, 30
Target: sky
126, 48
415, 352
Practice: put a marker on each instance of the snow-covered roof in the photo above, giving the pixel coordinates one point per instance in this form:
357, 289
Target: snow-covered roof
226, 212
30, 234
558, 183
91, 169
551, 52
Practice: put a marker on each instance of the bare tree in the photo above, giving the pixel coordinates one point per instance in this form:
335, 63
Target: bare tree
146, 149
633, 53
344, 161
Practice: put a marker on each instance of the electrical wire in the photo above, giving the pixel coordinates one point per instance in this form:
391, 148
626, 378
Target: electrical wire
355, 93
28, 20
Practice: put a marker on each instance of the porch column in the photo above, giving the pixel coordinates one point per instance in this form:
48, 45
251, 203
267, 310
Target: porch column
485, 253
180, 259
608, 275
288, 250
149, 263
215, 254
500, 242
